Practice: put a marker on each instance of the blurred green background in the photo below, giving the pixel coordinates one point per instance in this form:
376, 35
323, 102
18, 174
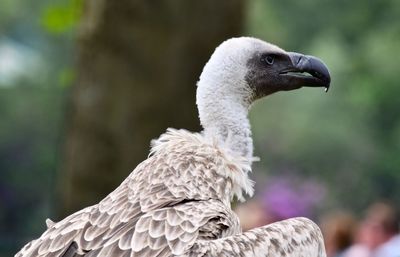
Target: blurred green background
346, 141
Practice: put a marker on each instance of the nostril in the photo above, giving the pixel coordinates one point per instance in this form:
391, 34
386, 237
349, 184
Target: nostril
298, 60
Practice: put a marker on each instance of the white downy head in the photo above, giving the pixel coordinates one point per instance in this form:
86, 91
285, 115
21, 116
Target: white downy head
240, 71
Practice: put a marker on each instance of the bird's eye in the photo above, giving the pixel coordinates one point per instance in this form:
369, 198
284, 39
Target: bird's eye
268, 59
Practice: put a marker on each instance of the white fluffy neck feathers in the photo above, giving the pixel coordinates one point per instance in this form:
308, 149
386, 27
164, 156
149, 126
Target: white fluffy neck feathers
221, 158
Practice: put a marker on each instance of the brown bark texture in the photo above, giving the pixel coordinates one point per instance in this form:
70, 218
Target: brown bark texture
137, 65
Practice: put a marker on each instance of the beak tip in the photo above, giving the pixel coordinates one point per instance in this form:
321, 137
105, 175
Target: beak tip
314, 67
326, 89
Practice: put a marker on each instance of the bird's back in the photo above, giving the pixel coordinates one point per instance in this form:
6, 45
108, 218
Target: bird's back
180, 194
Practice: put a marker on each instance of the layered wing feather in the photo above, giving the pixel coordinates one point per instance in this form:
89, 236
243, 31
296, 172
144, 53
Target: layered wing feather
183, 167
171, 231
176, 203
298, 237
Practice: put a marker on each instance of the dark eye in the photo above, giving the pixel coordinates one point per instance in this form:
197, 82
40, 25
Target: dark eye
268, 59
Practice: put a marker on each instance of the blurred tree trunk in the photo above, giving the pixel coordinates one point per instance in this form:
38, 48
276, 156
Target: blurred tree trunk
137, 70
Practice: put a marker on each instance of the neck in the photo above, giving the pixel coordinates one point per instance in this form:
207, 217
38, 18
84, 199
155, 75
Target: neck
229, 125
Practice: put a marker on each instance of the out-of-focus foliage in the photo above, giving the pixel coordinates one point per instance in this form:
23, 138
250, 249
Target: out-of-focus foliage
348, 138
35, 71
61, 17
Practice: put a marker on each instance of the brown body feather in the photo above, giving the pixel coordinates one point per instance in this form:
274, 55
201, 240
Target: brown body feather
177, 202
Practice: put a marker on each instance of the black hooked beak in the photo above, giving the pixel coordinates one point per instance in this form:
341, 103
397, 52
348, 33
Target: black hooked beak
302, 65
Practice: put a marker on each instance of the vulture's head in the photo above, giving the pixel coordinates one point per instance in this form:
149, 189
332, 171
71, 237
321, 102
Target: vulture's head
242, 70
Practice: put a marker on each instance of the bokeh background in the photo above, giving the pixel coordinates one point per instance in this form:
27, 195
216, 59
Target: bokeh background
85, 86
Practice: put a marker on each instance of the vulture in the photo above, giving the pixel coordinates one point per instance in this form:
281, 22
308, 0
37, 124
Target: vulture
177, 201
